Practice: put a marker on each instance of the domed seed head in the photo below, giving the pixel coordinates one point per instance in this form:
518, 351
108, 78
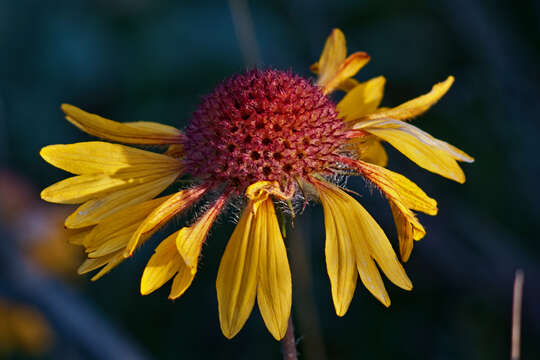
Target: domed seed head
262, 125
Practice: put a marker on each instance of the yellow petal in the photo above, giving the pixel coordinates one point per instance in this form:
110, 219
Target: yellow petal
408, 229
114, 232
189, 243
348, 84
94, 211
131, 133
93, 264
182, 281
397, 187
369, 148
114, 260
163, 213
427, 152
274, 290
341, 257
333, 54
96, 157
81, 188
364, 240
403, 196
108, 262
162, 266
190, 239
362, 99
77, 237
348, 69
236, 282
333, 68
417, 106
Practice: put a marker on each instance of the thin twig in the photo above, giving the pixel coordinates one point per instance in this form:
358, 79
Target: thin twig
288, 343
517, 298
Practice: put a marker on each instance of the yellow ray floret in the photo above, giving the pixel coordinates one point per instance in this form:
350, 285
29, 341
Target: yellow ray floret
334, 68
255, 265
110, 177
105, 243
414, 107
363, 99
354, 242
189, 243
174, 205
427, 152
140, 132
113, 233
403, 196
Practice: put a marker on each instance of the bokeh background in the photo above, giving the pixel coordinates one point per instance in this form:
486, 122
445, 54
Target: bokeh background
134, 60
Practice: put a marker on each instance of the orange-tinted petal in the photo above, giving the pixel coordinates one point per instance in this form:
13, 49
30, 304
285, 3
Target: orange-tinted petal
160, 215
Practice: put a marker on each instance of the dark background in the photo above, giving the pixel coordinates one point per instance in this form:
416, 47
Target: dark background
153, 60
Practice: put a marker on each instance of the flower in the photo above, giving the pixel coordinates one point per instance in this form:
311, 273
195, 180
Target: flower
262, 137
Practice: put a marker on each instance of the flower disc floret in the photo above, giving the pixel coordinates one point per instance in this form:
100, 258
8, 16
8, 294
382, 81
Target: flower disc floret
262, 125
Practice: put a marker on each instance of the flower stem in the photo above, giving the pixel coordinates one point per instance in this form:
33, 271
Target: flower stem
288, 343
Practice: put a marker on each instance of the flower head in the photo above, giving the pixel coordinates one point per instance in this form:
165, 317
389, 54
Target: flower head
262, 136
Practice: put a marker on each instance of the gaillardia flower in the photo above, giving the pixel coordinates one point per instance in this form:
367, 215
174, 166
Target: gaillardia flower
261, 137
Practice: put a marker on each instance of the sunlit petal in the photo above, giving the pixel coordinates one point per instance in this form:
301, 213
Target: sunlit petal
131, 133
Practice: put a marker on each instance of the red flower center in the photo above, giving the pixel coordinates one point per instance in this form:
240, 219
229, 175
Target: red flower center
262, 125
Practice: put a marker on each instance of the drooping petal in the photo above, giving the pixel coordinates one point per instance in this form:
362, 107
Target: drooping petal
414, 107
130, 133
189, 242
341, 258
408, 229
96, 157
113, 233
94, 211
427, 152
396, 187
274, 290
114, 260
239, 271
236, 282
163, 213
190, 239
107, 263
403, 195
364, 241
93, 264
162, 266
362, 99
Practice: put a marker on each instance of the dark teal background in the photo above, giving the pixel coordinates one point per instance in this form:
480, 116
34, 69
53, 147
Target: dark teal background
153, 60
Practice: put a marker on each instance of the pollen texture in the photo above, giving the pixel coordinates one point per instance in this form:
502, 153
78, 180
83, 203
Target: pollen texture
262, 125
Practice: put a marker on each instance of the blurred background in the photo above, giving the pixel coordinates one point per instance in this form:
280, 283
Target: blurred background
132, 60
